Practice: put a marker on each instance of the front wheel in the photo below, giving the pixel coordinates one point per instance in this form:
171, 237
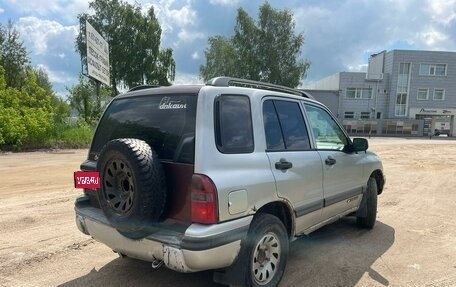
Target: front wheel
267, 247
371, 201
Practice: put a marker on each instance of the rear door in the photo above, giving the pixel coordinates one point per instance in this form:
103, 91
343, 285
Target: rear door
296, 167
342, 170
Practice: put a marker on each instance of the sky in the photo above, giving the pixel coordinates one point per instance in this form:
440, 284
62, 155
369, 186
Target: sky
340, 35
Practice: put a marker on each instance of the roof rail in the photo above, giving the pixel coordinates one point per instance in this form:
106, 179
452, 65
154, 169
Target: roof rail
142, 87
230, 81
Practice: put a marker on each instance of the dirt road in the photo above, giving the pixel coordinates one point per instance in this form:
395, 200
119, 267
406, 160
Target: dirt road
413, 243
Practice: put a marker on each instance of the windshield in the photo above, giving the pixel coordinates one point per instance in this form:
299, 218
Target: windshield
165, 122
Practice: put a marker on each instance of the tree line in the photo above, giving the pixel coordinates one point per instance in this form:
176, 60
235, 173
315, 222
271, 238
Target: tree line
32, 115
29, 108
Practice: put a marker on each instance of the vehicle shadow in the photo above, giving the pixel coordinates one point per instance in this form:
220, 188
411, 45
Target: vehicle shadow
336, 255
132, 272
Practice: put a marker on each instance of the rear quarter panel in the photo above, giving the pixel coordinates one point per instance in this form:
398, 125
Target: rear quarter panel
232, 172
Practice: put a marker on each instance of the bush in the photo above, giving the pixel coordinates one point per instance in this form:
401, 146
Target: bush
66, 136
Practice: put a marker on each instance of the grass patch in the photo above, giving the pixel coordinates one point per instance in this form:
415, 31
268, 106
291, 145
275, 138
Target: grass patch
78, 136
60, 137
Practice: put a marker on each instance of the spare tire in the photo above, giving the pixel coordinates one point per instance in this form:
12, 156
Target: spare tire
133, 189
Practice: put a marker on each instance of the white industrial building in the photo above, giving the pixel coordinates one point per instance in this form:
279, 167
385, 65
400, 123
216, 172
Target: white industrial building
404, 92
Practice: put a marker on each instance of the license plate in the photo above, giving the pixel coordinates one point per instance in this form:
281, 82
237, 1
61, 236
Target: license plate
87, 179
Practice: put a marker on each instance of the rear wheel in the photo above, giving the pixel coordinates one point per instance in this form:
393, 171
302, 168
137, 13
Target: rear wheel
371, 201
266, 248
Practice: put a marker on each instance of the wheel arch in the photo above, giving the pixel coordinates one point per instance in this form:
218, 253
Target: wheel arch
282, 211
380, 179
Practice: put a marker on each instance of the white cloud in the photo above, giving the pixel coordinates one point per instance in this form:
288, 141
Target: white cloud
189, 36
195, 55
51, 47
58, 77
39, 34
433, 38
187, 79
224, 2
171, 18
357, 68
339, 34
442, 11
341, 37
63, 9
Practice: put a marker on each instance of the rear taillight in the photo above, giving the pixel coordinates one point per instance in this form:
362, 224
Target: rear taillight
204, 200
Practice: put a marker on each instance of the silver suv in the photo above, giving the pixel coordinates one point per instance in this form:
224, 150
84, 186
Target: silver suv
222, 176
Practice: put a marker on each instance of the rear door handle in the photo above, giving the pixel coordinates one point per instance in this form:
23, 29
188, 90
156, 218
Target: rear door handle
330, 160
283, 164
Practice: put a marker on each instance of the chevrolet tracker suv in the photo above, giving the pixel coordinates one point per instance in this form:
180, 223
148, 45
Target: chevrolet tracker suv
222, 176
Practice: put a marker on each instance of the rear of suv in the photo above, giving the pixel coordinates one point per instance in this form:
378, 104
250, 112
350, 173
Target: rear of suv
222, 176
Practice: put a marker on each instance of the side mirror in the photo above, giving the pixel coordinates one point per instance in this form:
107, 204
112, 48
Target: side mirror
360, 144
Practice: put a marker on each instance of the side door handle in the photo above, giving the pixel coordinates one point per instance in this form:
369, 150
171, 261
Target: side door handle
283, 164
330, 161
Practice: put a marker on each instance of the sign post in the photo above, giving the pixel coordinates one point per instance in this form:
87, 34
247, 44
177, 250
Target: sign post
97, 56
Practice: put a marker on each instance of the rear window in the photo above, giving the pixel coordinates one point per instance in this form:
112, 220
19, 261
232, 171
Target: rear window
233, 124
165, 122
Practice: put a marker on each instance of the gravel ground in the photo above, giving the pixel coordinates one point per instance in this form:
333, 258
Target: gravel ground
412, 244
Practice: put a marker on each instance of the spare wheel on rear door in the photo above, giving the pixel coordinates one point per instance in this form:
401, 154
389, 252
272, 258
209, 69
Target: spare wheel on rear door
133, 190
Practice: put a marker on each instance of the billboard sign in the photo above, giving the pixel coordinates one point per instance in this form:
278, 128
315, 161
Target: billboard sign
97, 56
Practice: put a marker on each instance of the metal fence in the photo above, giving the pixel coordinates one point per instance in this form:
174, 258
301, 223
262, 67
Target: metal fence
406, 127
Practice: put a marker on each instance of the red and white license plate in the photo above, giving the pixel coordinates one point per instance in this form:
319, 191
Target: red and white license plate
87, 179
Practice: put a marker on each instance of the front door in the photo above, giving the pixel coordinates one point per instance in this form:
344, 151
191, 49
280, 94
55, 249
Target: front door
342, 171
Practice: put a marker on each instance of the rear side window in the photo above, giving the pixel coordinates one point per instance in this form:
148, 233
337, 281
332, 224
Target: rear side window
166, 122
284, 126
233, 124
274, 137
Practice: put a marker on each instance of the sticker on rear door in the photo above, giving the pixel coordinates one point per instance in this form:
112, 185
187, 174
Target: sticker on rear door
167, 104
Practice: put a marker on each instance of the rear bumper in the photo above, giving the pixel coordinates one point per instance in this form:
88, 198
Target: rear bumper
199, 247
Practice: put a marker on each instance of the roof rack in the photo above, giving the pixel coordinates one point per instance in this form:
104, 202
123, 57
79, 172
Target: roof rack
142, 87
230, 81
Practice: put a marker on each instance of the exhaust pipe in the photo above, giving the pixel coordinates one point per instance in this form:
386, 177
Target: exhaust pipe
157, 263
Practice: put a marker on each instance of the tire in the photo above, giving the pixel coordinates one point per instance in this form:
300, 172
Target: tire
133, 189
266, 251
371, 201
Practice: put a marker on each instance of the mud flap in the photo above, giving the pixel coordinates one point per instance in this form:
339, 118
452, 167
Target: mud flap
233, 275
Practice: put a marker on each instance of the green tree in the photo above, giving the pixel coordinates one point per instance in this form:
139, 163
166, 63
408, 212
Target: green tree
83, 98
61, 109
134, 44
26, 114
264, 50
14, 57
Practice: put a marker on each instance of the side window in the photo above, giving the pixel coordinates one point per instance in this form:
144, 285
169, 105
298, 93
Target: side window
328, 135
272, 130
233, 124
293, 127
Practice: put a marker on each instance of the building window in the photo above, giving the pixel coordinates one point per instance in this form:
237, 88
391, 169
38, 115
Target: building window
349, 115
359, 93
422, 95
402, 89
401, 104
433, 69
365, 115
439, 94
